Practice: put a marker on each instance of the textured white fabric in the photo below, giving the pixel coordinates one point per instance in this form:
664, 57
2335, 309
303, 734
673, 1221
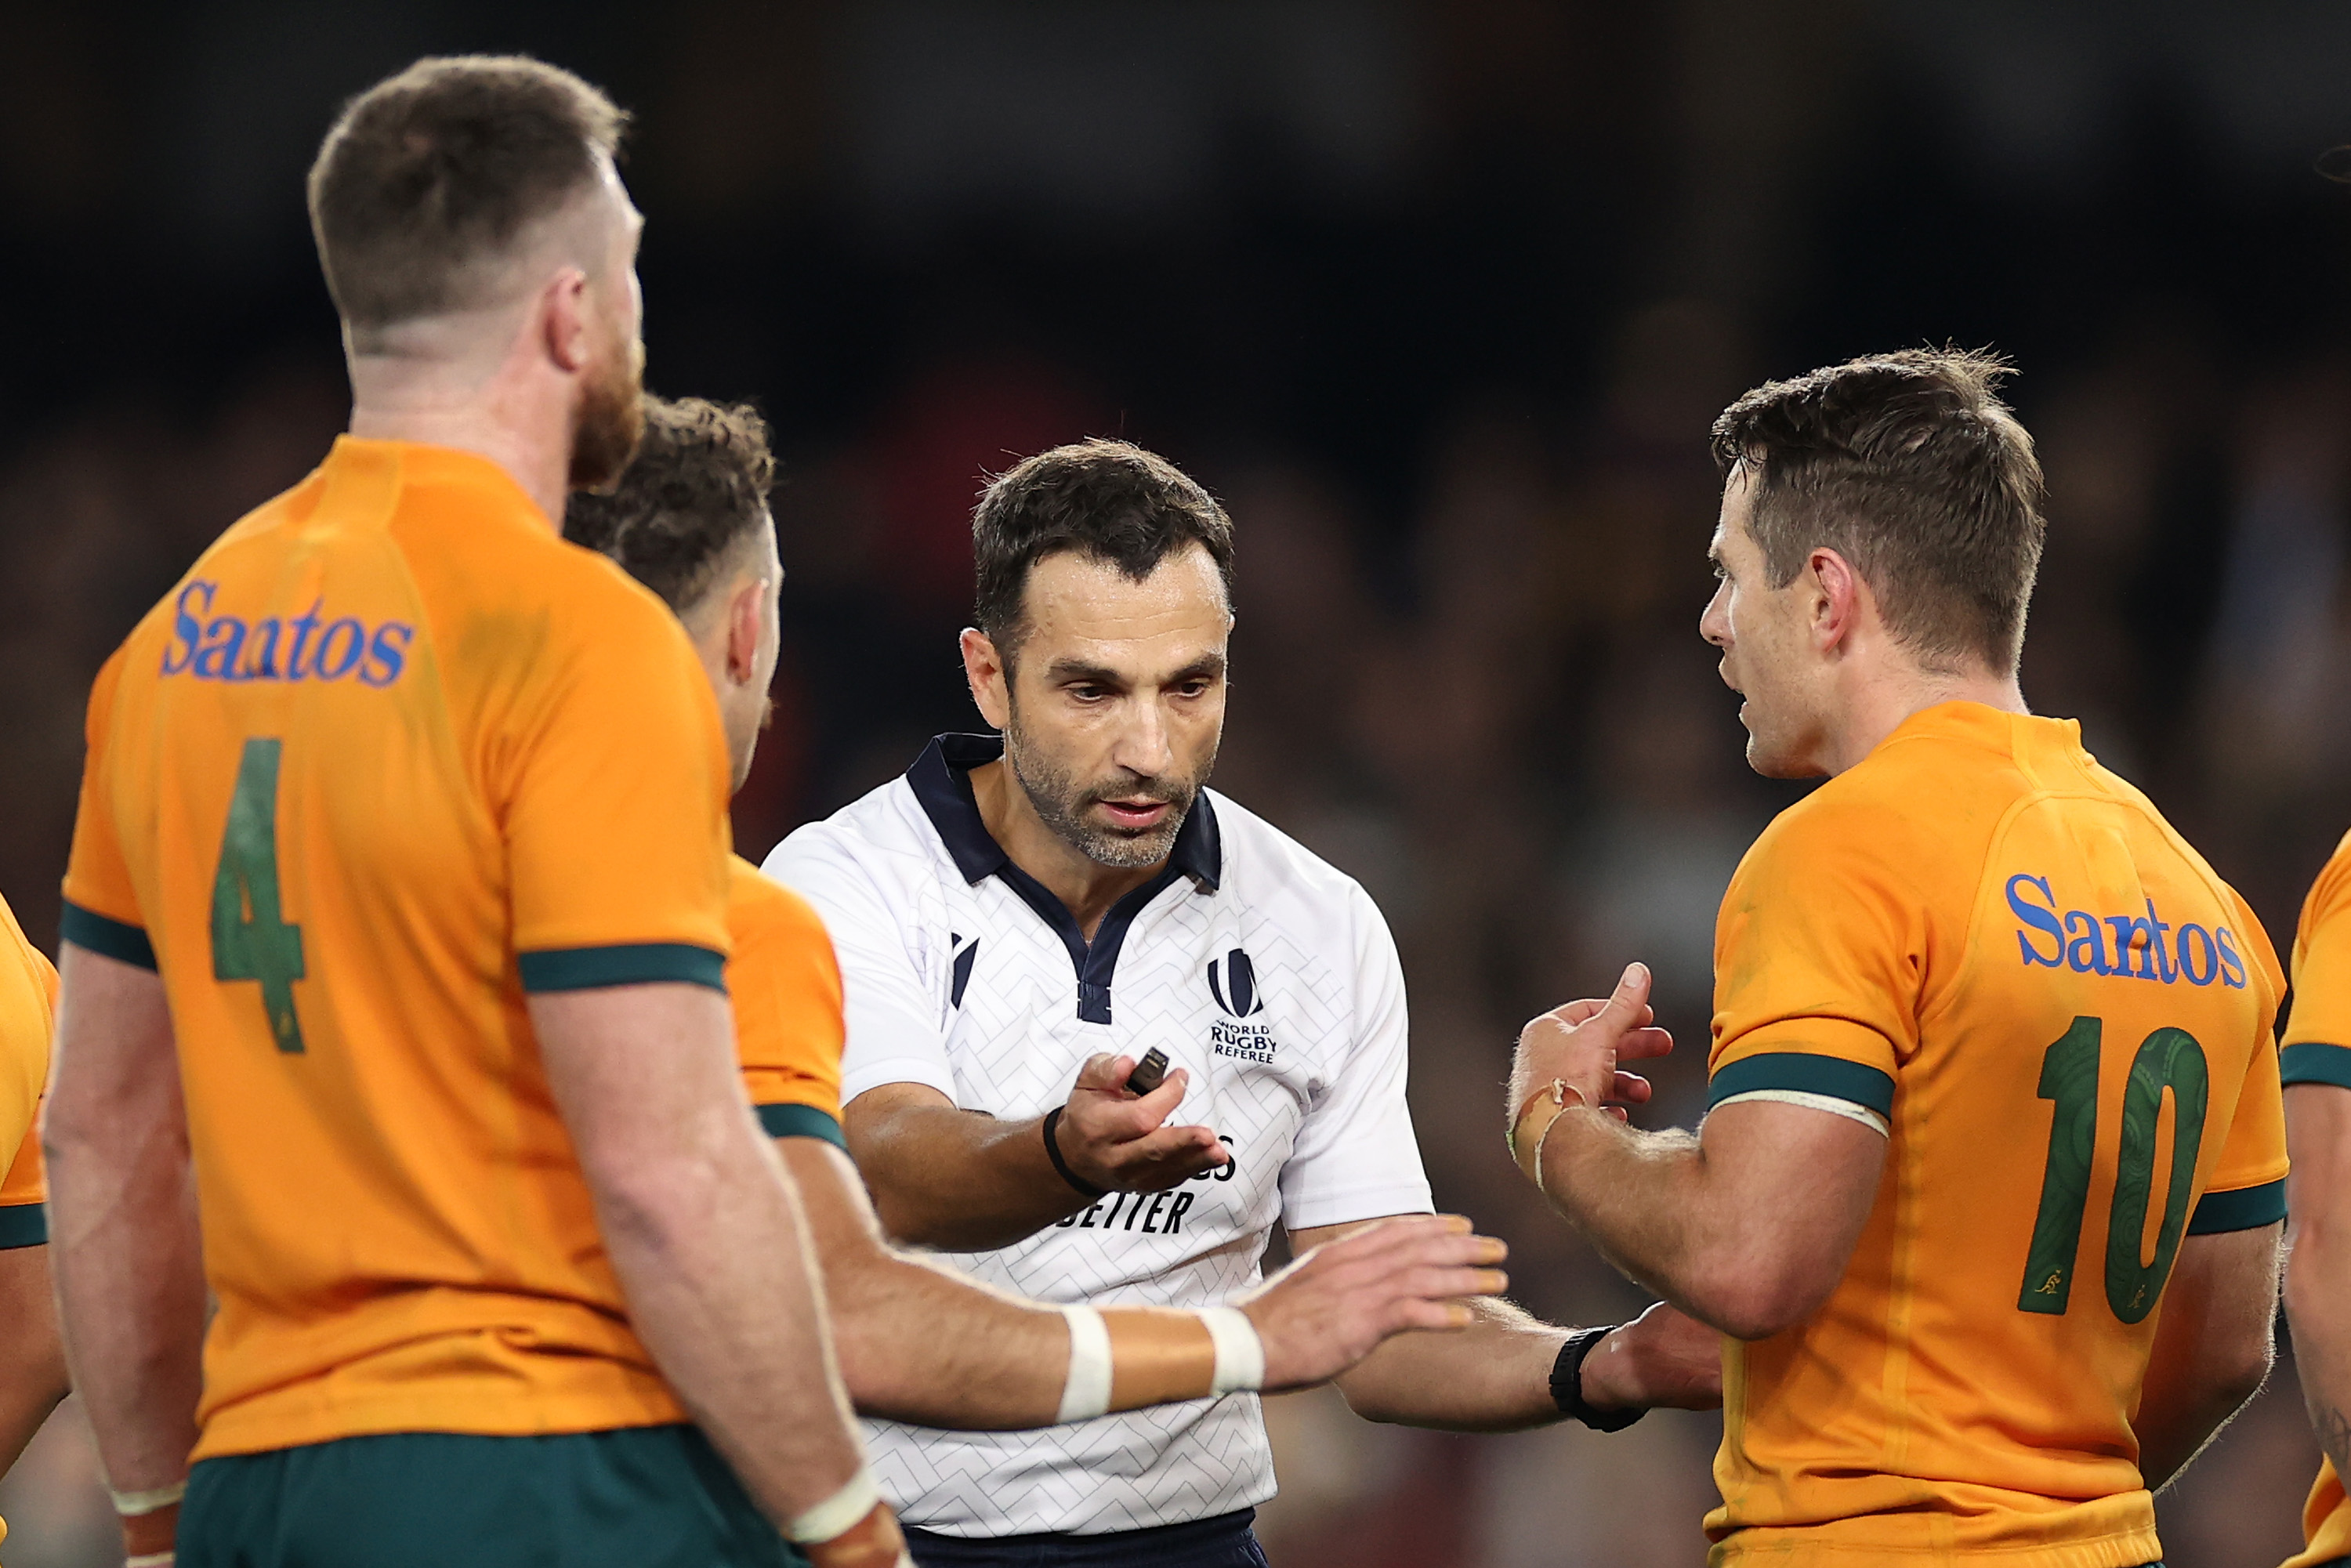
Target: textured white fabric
1240, 1354
1304, 1081
1085, 1391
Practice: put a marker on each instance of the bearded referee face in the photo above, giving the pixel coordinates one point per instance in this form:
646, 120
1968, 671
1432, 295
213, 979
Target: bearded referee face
1112, 702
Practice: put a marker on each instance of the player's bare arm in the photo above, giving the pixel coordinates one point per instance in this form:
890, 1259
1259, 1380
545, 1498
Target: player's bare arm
704, 1231
123, 1233
2213, 1346
1746, 1225
920, 1342
2318, 1259
32, 1353
1495, 1376
965, 1182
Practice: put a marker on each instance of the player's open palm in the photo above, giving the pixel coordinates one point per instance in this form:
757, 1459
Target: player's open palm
1120, 1141
1336, 1303
1580, 1045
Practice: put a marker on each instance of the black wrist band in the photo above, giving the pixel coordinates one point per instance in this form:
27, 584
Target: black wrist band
1567, 1384
1053, 1153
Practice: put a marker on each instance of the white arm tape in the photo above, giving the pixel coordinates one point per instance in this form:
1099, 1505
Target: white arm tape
132, 1504
153, 1560
1240, 1354
837, 1512
1085, 1392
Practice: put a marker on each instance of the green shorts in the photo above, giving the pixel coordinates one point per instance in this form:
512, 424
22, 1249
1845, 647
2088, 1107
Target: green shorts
641, 1497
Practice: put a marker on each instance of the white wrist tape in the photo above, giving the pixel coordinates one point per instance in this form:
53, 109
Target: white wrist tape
837, 1512
153, 1560
1240, 1354
132, 1504
1085, 1392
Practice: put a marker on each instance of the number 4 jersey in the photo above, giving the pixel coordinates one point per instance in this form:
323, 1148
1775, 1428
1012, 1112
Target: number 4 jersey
1997, 953
390, 756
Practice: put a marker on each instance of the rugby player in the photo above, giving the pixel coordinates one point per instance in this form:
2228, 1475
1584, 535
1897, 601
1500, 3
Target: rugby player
489, 1226
2315, 1067
1059, 907
1992, 1077
916, 1340
32, 1357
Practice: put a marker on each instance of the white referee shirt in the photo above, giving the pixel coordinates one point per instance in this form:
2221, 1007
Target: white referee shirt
1265, 972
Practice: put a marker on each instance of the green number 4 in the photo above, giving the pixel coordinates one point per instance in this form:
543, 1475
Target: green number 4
2167, 1059
251, 940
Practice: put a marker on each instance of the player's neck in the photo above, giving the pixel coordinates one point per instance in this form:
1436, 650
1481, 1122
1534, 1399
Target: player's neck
520, 421
1086, 887
1878, 703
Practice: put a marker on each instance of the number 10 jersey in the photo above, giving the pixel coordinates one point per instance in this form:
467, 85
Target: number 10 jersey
392, 756
1997, 954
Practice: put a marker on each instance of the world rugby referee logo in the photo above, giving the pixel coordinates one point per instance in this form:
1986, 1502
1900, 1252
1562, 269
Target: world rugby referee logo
1232, 980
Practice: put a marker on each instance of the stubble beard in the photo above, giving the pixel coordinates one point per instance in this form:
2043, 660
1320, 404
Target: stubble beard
1062, 804
611, 421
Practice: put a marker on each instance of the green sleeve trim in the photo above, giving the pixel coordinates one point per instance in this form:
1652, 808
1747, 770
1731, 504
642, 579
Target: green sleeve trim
632, 963
1804, 1074
2247, 1208
2313, 1061
109, 938
801, 1121
24, 1225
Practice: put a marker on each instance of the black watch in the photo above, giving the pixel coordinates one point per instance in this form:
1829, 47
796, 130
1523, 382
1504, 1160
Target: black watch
1567, 1384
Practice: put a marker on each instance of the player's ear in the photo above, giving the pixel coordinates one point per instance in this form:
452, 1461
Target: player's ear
745, 609
990, 681
564, 313
1836, 593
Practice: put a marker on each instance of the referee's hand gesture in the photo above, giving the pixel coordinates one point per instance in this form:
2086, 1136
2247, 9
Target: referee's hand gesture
1119, 1142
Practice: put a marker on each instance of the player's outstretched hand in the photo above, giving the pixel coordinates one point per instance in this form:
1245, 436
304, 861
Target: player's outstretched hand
1335, 1304
1119, 1142
1581, 1045
1663, 1359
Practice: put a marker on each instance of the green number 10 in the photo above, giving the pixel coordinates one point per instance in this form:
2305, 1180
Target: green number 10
251, 940
2167, 1059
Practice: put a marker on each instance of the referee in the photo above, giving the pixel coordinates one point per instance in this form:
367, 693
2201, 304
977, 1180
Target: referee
1024, 922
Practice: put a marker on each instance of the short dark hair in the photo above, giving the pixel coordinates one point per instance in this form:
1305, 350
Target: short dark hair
1910, 466
698, 485
1111, 501
430, 173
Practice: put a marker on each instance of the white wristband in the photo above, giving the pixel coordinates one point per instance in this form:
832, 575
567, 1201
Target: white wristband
132, 1504
837, 1512
1085, 1392
153, 1560
1240, 1354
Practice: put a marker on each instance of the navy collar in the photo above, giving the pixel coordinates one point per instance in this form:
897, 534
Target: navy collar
941, 779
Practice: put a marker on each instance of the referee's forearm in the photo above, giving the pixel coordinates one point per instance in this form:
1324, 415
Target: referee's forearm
958, 1181
1492, 1377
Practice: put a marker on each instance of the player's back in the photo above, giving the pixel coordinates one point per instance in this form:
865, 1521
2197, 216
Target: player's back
390, 756
2063, 1016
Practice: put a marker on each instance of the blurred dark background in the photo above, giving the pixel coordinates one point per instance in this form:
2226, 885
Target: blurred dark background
1440, 298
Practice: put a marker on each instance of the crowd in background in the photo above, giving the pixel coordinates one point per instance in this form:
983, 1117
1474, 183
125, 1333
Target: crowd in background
1440, 301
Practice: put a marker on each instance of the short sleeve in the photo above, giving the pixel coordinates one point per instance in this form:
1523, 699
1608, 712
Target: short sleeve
786, 989
892, 1021
614, 811
2248, 1185
1817, 959
1355, 1156
28, 996
102, 911
2319, 1030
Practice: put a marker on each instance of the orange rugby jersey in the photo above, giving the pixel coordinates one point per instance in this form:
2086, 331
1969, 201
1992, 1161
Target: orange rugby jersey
2318, 1050
392, 756
1999, 954
785, 985
28, 996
